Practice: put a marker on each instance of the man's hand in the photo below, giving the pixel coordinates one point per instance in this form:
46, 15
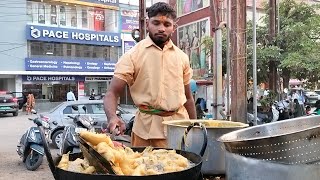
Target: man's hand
116, 124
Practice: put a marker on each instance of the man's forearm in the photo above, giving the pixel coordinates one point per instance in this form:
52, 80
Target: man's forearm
191, 108
110, 104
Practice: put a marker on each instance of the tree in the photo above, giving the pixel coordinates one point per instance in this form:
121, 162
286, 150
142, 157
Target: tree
296, 46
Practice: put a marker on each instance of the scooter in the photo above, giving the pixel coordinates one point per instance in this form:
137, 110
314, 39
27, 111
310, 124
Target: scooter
69, 141
30, 147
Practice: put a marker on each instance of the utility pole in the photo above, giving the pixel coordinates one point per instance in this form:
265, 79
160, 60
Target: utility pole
142, 19
272, 35
238, 61
217, 60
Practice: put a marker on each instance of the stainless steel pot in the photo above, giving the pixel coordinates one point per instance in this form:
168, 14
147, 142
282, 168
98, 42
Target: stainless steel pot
214, 157
292, 141
244, 168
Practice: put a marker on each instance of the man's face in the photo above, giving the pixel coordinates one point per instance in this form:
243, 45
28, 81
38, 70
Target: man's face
160, 29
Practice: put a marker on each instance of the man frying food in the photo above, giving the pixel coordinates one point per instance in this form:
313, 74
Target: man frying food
158, 74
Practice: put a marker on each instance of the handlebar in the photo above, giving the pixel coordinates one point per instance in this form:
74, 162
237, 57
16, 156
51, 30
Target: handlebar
71, 117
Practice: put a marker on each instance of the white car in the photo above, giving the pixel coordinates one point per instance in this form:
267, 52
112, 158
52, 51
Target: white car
58, 116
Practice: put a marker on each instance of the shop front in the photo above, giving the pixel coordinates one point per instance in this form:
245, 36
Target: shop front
54, 88
51, 87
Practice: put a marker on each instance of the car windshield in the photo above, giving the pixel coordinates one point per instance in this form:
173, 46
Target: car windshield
55, 108
122, 110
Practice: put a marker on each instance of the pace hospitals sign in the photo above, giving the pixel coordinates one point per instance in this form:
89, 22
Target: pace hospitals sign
65, 35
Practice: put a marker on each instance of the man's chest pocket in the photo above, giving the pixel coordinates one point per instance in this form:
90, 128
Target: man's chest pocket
173, 74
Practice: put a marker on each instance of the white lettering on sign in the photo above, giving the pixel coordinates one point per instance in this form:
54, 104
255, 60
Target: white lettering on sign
51, 78
93, 67
55, 34
60, 34
97, 78
71, 67
42, 62
43, 66
92, 64
71, 63
94, 37
108, 1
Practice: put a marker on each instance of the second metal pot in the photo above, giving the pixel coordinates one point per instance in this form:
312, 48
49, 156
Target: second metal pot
214, 155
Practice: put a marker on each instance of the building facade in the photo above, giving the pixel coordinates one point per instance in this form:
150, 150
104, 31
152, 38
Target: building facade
49, 47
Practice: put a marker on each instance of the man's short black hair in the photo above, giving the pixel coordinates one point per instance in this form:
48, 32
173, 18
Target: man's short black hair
162, 9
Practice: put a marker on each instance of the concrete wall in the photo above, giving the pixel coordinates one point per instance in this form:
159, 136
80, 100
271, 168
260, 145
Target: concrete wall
13, 44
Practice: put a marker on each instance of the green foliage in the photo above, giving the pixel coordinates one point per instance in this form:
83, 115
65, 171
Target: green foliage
207, 42
296, 47
267, 101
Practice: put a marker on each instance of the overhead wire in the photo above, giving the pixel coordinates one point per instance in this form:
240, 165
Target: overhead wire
1, 51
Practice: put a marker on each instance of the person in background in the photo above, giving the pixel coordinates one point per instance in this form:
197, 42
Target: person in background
207, 114
158, 74
92, 95
308, 110
297, 109
71, 96
199, 110
30, 103
24, 100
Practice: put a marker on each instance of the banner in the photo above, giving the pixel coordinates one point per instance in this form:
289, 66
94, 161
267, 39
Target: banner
42, 64
127, 45
190, 37
50, 78
129, 20
65, 35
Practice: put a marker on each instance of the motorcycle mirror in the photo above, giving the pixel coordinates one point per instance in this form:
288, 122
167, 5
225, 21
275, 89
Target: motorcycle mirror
54, 123
104, 127
74, 107
84, 108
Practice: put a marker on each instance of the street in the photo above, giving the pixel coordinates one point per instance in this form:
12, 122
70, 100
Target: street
11, 166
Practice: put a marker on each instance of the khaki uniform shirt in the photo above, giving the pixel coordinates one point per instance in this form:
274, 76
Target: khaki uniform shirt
156, 77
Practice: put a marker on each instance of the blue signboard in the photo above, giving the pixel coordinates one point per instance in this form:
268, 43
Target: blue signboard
50, 78
42, 64
65, 35
127, 45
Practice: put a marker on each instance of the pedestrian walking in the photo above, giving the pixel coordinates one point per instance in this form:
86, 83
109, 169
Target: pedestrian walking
71, 96
31, 103
158, 74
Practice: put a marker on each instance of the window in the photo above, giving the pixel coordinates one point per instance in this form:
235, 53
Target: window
73, 19
73, 51
91, 18
84, 13
97, 109
69, 110
69, 50
29, 11
41, 14
53, 14
62, 16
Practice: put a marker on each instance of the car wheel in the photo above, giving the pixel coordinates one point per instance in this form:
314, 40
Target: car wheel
15, 113
57, 139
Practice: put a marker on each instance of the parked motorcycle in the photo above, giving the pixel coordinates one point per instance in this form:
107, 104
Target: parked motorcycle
30, 147
69, 141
